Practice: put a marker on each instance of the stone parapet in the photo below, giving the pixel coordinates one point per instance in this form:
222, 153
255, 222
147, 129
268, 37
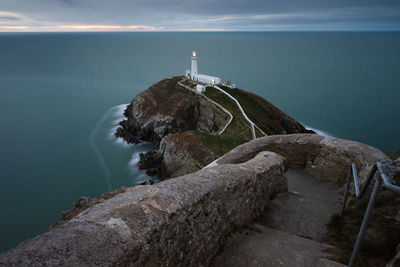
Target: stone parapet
327, 158
177, 222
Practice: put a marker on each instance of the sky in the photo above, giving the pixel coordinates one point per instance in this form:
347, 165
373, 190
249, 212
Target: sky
199, 15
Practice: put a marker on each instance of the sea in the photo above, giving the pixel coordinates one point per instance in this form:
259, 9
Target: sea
63, 94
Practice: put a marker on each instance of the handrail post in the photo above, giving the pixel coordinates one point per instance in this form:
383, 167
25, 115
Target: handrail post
355, 176
364, 224
369, 179
346, 192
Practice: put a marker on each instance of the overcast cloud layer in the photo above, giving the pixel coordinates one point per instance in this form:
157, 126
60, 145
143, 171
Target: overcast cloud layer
188, 15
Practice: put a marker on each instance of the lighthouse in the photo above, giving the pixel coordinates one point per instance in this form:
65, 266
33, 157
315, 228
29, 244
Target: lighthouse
194, 71
194, 75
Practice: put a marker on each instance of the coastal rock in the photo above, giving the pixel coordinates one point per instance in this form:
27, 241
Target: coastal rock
177, 222
184, 153
167, 108
152, 162
148, 182
83, 203
179, 154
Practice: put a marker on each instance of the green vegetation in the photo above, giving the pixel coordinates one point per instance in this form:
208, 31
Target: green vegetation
257, 109
265, 115
238, 131
393, 155
220, 145
239, 127
382, 235
259, 133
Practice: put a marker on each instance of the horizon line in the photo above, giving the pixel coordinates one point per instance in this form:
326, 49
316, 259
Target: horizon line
198, 31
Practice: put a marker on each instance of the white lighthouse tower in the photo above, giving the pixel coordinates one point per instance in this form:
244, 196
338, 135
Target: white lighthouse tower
194, 71
194, 75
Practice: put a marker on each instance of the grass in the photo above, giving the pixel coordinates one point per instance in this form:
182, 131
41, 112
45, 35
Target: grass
239, 127
220, 145
382, 235
238, 131
258, 111
393, 155
259, 133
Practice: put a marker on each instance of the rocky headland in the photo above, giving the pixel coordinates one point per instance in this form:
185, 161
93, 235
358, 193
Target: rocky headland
193, 129
224, 182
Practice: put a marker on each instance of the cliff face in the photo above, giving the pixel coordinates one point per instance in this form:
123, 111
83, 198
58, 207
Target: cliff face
186, 125
167, 108
185, 153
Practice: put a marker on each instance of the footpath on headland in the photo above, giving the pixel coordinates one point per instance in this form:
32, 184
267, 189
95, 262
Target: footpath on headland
215, 103
252, 124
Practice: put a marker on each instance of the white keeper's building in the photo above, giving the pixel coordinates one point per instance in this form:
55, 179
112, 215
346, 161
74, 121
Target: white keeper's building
193, 73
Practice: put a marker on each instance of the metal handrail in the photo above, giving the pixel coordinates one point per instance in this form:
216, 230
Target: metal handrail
382, 177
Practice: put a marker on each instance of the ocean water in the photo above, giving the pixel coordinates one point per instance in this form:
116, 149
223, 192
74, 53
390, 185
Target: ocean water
62, 95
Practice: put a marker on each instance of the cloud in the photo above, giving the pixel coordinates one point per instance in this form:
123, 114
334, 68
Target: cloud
108, 27
9, 16
69, 2
168, 15
18, 28
76, 28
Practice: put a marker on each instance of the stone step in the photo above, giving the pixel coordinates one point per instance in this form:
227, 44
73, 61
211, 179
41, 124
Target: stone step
306, 208
289, 232
298, 214
258, 245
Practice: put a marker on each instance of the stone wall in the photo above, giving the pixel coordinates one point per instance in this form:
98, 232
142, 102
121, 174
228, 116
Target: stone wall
327, 158
177, 222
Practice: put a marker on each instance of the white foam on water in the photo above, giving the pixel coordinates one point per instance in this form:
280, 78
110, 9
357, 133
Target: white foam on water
134, 160
96, 150
117, 115
116, 121
318, 131
120, 141
118, 111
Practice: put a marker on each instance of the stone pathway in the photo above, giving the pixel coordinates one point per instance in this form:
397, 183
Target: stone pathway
290, 232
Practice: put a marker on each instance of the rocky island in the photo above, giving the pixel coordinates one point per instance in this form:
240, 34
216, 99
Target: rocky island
193, 129
250, 185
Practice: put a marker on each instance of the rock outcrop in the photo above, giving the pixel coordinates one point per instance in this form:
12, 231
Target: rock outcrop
153, 163
177, 222
167, 108
169, 114
184, 153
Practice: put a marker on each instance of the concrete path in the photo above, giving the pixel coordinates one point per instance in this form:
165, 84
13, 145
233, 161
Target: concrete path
290, 231
252, 124
211, 101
